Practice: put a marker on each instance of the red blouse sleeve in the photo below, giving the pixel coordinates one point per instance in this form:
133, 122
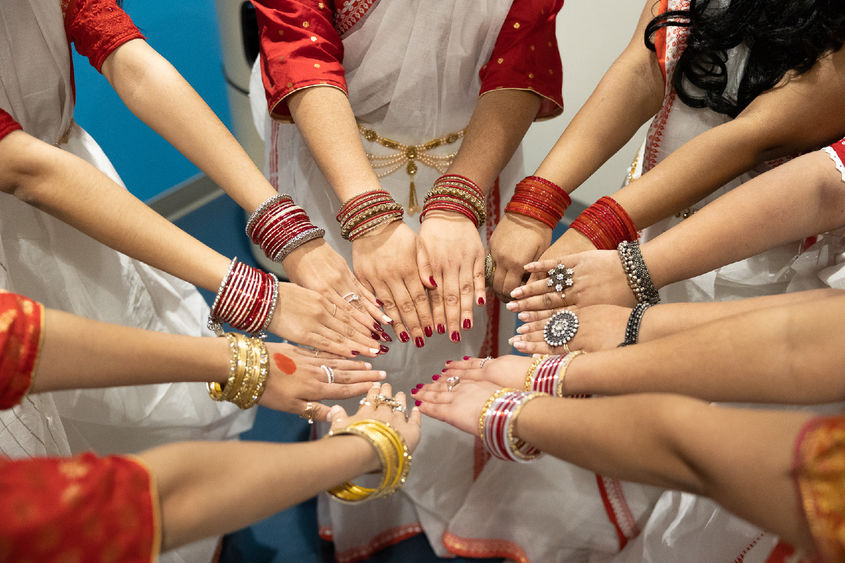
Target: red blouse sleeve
20, 338
819, 471
97, 28
299, 48
82, 508
7, 124
526, 56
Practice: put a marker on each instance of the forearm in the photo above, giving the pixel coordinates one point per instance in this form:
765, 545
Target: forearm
741, 459
497, 126
207, 489
82, 353
160, 97
801, 198
627, 96
778, 354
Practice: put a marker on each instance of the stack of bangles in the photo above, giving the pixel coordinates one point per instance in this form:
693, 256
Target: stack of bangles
248, 371
495, 425
279, 227
539, 199
392, 452
366, 211
606, 224
458, 194
639, 278
547, 374
246, 300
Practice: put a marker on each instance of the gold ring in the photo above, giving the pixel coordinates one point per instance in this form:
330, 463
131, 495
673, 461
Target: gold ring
310, 412
489, 267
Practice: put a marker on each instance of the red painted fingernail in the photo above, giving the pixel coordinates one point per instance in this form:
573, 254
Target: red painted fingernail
466, 357
378, 327
383, 349
355, 352
403, 336
420, 385
428, 331
379, 303
374, 336
419, 342
481, 301
467, 324
417, 403
386, 337
432, 282
414, 390
435, 377
441, 329
455, 336
448, 361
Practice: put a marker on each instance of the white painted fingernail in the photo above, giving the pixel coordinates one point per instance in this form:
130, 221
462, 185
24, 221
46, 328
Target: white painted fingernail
511, 306
376, 385
522, 330
386, 319
523, 316
374, 350
382, 374
368, 365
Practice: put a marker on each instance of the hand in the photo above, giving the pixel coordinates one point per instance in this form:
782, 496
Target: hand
306, 317
570, 242
516, 241
460, 407
315, 265
297, 378
372, 408
504, 371
385, 262
600, 327
451, 260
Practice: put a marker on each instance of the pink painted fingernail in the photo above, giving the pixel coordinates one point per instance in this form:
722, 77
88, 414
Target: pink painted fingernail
417, 403
441, 329
403, 336
432, 282
448, 361
419, 342
435, 377
481, 301
467, 324
420, 385
428, 331
455, 336
414, 390
466, 357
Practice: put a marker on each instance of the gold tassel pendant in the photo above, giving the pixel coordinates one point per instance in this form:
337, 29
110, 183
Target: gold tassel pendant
413, 205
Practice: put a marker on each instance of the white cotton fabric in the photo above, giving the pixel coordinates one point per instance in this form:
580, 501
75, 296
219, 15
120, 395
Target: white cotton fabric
49, 261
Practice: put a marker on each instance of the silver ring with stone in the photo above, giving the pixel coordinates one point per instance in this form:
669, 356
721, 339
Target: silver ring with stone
560, 328
351, 296
560, 278
452, 382
484, 361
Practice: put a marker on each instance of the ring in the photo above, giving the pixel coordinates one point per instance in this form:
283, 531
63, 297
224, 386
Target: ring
400, 408
350, 297
489, 267
560, 329
452, 382
389, 401
329, 372
309, 413
484, 361
560, 277
365, 403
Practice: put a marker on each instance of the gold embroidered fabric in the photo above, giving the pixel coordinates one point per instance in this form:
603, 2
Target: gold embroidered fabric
408, 156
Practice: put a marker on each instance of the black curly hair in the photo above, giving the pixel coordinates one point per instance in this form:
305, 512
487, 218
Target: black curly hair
781, 36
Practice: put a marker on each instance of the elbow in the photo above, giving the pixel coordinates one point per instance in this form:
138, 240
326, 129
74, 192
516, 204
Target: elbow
26, 164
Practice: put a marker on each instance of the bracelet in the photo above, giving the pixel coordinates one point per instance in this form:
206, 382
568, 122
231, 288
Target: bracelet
393, 454
246, 300
560, 376
452, 192
606, 224
548, 374
279, 227
632, 329
496, 425
539, 199
639, 280
249, 368
366, 211
529, 375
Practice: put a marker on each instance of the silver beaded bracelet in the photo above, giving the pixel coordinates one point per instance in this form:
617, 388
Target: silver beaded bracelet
298, 241
639, 280
632, 329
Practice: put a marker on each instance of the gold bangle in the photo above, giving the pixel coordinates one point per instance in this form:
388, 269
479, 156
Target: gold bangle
529, 375
486, 408
518, 445
564, 364
217, 391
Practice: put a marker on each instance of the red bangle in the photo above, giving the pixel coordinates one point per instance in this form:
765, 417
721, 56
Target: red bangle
605, 224
539, 199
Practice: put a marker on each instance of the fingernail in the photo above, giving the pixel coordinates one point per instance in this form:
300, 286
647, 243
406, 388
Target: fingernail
355, 352
374, 336
376, 385
455, 336
481, 301
386, 337
403, 336
441, 329
466, 357
383, 349
420, 385
375, 351
414, 391
379, 303
419, 342
519, 344
368, 365
382, 374
467, 324
448, 361
428, 331
530, 265
511, 306
524, 316
378, 327
431, 281
417, 403
435, 377
386, 319
516, 293
522, 329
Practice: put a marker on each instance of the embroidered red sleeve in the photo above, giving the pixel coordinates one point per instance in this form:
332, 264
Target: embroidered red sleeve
20, 339
82, 508
97, 28
299, 48
7, 124
526, 55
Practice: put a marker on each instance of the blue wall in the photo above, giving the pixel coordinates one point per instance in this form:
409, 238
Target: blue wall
185, 33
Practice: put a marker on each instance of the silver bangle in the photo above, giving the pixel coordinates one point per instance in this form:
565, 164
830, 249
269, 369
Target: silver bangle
253, 217
298, 241
213, 323
632, 329
639, 280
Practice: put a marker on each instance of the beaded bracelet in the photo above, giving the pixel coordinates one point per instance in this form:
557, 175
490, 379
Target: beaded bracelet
366, 211
279, 227
455, 193
246, 300
539, 199
606, 224
632, 329
248, 372
496, 425
639, 280
393, 454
